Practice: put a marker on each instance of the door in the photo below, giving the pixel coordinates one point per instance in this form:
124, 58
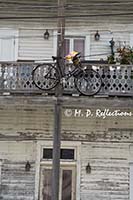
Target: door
8, 45
67, 183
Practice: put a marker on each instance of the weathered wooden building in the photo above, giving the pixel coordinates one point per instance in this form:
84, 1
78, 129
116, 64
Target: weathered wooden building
96, 132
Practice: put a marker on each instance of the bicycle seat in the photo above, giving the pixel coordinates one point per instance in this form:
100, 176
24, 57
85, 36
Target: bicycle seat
56, 58
76, 56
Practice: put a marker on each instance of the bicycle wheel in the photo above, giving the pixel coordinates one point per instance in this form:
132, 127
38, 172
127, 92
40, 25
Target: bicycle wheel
45, 76
88, 82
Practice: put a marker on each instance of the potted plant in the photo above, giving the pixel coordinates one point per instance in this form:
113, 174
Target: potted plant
125, 55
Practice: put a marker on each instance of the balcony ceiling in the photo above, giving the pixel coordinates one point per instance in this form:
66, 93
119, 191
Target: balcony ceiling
115, 11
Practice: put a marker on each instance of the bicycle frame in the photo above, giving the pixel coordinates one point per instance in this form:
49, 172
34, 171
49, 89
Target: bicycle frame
77, 66
69, 74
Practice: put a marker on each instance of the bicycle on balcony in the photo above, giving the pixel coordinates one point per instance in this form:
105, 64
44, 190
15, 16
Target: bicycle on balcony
47, 76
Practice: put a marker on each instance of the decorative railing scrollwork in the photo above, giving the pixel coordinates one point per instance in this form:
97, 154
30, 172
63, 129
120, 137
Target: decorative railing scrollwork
116, 79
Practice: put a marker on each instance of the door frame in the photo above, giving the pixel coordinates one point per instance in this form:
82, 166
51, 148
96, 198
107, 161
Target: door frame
40, 161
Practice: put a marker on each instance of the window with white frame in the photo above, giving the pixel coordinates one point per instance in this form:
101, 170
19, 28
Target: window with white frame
8, 44
74, 44
131, 181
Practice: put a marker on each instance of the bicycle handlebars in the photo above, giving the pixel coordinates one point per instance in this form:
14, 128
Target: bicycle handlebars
73, 58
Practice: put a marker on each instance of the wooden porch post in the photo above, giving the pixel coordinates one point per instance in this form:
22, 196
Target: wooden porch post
58, 106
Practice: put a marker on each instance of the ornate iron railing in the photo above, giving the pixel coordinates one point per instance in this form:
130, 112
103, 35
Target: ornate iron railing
116, 79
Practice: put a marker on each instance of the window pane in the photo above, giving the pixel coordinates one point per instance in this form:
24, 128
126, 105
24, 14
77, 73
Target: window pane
47, 153
64, 153
79, 45
67, 185
47, 184
66, 47
67, 153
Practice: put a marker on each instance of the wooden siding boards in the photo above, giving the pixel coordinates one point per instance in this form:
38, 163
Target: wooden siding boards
98, 129
98, 7
105, 144
33, 46
109, 177
16, 183
32, 117
26, 121
90, 8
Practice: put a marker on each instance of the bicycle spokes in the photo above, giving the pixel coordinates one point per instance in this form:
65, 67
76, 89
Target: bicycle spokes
45, 76
88, 82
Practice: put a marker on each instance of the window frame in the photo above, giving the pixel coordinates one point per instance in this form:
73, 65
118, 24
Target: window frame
64, 160
71, 42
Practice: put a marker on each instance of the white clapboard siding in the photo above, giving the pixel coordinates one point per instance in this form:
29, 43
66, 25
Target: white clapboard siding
15, 151
109, 171
131, 181
32, 45
102, 46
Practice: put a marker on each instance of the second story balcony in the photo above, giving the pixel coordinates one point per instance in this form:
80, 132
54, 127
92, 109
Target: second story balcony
16, 78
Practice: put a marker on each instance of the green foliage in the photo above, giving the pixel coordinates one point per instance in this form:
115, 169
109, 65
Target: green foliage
125, 55
111, 59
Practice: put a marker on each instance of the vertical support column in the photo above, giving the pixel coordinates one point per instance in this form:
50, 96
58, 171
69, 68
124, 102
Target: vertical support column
56, 150
58, 106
